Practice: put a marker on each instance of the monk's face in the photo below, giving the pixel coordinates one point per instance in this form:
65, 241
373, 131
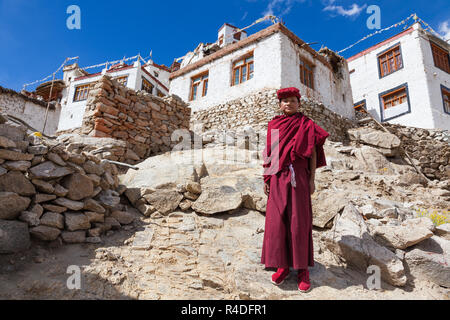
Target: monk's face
289, 105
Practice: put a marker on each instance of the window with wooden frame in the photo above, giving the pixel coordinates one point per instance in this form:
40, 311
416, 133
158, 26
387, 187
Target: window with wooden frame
220, 40
394, 98
440, 57
122, 80
199, 86
146, 86
243, 69
159, 93
306, 73
390, 61
446, 98
360, 106
82, 92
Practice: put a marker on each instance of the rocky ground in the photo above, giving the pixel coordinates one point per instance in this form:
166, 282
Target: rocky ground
209, 247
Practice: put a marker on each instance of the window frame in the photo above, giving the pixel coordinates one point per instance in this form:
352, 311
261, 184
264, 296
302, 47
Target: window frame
444, 88
390, 92
434, 46
385, 52
151, 85
201, 82
360, 103
88, 85
244, 57
312, 66
118, 78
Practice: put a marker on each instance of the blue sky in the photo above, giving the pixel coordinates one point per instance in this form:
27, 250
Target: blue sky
35, 40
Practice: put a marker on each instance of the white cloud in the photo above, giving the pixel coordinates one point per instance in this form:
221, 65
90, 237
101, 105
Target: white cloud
444, 29
280, 7
244, 16
354, 9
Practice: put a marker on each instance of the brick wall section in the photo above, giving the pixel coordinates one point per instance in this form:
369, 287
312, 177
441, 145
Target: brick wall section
258, 109
144, 121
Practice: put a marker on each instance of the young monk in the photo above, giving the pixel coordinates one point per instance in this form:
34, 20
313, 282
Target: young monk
294, 149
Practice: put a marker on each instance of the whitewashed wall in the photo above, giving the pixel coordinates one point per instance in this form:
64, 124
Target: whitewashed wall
267, 74
332, 92
276, 65
32, 113
417, 72
435, 77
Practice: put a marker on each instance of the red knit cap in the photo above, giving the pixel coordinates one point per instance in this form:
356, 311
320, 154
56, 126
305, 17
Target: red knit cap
288, 92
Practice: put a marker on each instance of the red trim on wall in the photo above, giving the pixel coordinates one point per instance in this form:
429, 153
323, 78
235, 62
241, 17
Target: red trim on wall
148, 73
376, 46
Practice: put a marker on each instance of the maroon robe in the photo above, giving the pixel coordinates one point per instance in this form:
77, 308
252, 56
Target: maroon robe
288, 225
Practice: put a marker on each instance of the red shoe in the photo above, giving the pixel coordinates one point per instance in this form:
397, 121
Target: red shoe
279, 276
303, 280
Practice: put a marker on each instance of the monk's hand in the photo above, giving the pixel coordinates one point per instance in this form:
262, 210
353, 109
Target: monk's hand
266, 189
312, 186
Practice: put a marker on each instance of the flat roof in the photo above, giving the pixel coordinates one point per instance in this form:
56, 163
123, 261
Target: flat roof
278, 27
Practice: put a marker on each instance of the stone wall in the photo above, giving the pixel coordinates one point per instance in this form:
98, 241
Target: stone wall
30, 110
145, 122
258, 109
429, 149
53, 194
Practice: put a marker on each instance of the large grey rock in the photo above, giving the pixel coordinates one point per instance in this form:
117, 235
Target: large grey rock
15, 181
349, 238
43, 186
400, 237
14, 155
76, 221
374, 138
45, 233
70, 204
17, 165
164, 201
11, 205
430, 260
79, 186
372, 160
32, 218
53, 219
12, 131
92, 205
326, 204
6, 143
14, 236
443, 231
49, 170
218, 199
123, 217
108, 198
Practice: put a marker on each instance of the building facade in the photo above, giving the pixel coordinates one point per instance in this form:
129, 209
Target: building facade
152, 78
404, 80
269, 59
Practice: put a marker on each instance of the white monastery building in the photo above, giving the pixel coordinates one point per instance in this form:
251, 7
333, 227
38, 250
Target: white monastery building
404, 79
237, 65
151, 77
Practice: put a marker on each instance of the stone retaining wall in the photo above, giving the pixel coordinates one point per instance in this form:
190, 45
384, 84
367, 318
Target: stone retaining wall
53, 194
145, 122
429, 148
258, 109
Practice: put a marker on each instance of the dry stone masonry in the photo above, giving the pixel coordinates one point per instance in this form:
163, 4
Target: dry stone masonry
145, 122
52, 194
